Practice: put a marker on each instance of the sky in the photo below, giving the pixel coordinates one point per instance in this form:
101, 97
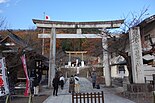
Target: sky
18, 14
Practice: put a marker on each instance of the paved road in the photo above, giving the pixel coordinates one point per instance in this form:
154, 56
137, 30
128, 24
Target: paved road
85, 86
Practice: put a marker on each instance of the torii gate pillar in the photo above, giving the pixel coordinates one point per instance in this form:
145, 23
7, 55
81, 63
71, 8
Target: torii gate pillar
52, 66
106, 67
69, 62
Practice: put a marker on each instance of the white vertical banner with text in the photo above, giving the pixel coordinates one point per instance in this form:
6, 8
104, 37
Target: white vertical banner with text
4, 87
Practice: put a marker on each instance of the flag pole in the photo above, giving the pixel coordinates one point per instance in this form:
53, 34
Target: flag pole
43, 41
43, 15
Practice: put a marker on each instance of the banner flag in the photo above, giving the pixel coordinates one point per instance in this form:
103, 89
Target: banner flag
4, 87
26, 93
47, 17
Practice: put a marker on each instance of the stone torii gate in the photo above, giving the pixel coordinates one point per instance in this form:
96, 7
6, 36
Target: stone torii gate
76, 52
53, 25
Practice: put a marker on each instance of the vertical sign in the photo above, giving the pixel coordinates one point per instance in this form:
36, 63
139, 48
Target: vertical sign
136, 55
4, 87
27, 78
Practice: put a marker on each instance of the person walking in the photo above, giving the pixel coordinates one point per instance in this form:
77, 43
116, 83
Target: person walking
71, 84
93, 76
62, 81
77, 85
36, 85
55, 83
98, 81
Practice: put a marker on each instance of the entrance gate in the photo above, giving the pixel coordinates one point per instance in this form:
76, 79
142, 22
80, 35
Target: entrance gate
53, 25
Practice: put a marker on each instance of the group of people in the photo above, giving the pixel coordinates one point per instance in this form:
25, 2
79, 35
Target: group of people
35, 79
74, 85
56, 82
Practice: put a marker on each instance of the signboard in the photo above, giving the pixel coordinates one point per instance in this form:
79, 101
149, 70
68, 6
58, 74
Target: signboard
4, 87
136, 55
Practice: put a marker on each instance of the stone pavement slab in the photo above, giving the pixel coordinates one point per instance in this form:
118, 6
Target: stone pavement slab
85, 86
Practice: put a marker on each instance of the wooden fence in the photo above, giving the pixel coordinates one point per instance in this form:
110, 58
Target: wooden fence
96, 97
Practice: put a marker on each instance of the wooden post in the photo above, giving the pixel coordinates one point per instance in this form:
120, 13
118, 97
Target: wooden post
72, 98
102, 97
87, 97
153, 81
7, 99
153, 96
84, 97
98, 97
91, 97
80, 98
95, 97
30, 98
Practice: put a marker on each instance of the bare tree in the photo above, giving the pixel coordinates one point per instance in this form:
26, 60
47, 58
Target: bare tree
118, 44
3, 23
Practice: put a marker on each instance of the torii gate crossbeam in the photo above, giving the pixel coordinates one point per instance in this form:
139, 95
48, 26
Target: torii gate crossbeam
71, 35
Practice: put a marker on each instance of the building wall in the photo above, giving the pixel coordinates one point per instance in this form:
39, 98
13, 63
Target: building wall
115, 73
146, 33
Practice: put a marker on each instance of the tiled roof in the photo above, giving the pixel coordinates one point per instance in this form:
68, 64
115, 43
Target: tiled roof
147, 21
17, 40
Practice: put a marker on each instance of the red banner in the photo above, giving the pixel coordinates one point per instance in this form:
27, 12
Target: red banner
27, 78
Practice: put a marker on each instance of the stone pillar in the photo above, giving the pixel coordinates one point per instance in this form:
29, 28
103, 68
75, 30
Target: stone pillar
125, 82
52, 57
77, 61
106, 61
69, 62
82, 62
77, 70
54, 53
87, 74
66, 76
136, 55
78, 31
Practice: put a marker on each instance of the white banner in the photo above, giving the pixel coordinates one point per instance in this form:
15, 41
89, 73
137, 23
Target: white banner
4, 88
